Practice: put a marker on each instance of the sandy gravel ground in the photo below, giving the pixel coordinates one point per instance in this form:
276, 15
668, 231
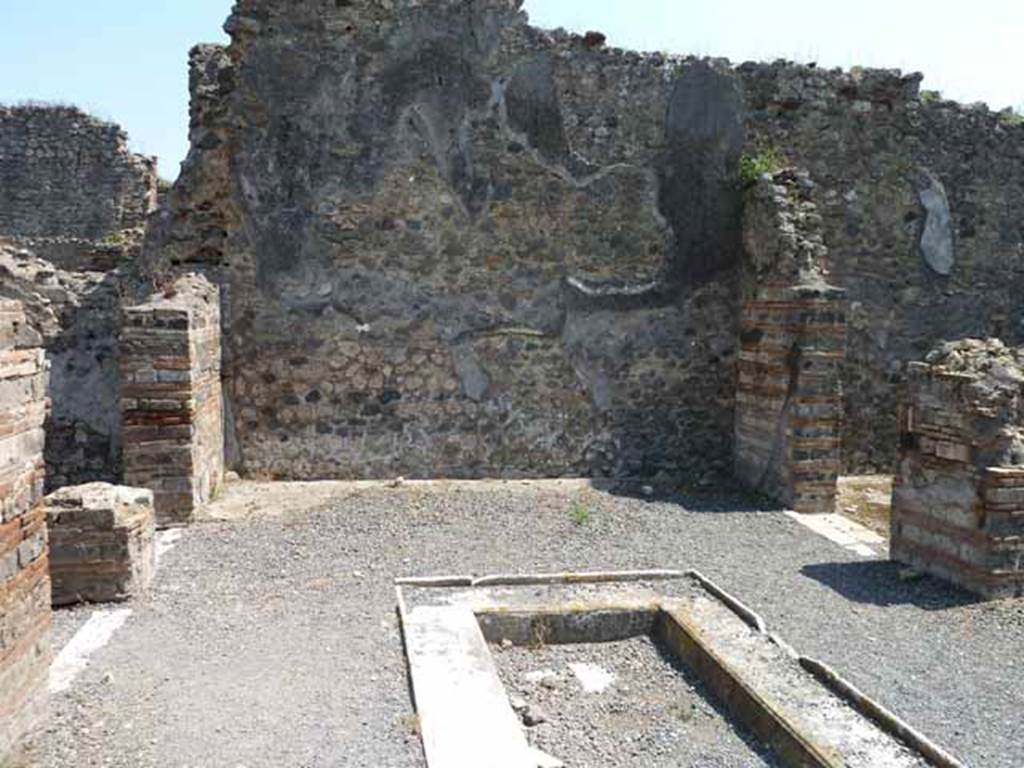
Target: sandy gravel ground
269, 637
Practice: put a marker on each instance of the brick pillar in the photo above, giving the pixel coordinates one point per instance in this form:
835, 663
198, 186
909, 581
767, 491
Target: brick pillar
792, 344
172, 405
24, 576
958, 499
788, 405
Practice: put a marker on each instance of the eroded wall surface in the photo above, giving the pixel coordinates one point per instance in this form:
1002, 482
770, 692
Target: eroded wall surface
452, 244
958, 499
65, 173
24, 575
73, 205
170, 358
76, 312
921, 205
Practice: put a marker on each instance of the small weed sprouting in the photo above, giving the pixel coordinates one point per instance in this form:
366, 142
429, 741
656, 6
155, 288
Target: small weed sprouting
119, 238
765, 160
580, 513
931, 97
1012, 116
539, 634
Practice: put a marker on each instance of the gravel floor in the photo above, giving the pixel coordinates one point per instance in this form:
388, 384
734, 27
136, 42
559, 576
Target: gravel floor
269, 637
650, 715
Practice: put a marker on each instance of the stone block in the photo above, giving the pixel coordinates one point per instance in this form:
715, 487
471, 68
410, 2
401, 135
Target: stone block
101, 542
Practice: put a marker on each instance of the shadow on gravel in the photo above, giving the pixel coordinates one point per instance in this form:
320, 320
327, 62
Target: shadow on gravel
878, 582
690, 499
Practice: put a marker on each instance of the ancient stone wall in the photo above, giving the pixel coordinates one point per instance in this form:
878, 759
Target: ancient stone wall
958, 500
471, 258
24, 578
73, 205
921, 203
64, 173
171, 397
76, 311
452, 244
792, 343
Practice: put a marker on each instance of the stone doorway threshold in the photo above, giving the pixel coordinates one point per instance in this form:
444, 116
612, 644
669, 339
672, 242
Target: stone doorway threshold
804, 712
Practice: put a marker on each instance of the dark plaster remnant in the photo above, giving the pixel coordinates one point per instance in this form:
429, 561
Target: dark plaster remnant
937, 236
700, 194
533, 108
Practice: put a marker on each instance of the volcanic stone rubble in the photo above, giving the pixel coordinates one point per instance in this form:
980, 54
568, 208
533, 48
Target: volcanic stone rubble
24, 577
101, 542
73, 207
501, 251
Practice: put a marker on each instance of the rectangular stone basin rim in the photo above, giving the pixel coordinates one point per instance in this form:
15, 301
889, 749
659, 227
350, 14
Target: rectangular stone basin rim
685, 638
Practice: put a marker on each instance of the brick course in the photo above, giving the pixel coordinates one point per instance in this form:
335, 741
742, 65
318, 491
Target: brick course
24, 580
101, 542
958, 501
792, 344
172, 407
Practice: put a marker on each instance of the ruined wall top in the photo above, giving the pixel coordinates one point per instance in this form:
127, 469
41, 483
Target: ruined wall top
983, 381
66, 173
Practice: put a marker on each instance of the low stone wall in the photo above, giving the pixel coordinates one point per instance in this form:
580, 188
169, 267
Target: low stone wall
101, 542
172, 406
24, 577
958, 500
792, 341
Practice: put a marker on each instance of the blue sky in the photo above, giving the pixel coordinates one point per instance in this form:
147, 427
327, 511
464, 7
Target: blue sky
126, 60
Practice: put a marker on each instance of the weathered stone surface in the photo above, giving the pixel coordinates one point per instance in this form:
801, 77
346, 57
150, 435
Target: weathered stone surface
24, 579
864, 135
101, 542
450, 243
704, 133
958, 500
76, 313
172, 407
937, 245
65, 173
459, 262
792, 342
73, 204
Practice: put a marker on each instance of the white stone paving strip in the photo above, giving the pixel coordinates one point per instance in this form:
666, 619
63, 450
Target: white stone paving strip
544, 760
465, 716
90, 638
845, 532
166, 540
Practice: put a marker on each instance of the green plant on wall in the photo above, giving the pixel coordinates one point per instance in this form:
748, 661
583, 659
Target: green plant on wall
764, 160
1012, 116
